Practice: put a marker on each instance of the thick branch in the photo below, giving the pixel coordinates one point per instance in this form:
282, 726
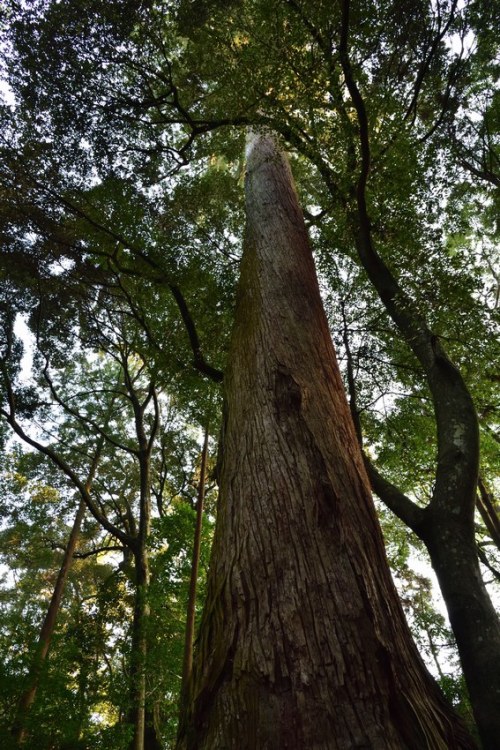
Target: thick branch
458, 441
199, 361
397, 501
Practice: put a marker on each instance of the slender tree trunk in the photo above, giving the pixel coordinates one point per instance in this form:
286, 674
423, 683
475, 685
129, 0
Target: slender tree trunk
47, 630
303, 642
19, 730
48, 625
141, 559
141, 603
191, 607
145, 737
140, 649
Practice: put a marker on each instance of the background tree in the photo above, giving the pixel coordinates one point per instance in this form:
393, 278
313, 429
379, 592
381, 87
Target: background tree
121, 499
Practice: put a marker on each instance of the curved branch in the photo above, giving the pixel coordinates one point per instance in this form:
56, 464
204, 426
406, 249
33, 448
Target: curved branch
488, 512
397, 501
426, 62
71, 475
199, 361
390, 495
484, 559
75, 413
57, 460
456, 419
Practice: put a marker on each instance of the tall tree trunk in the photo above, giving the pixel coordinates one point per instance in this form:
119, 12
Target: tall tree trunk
303, 642
140, 648
195, 564
141, 559
19, 730
47, 630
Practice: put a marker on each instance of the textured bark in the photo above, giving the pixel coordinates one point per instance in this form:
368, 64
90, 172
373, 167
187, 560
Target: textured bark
451, 544
303, 642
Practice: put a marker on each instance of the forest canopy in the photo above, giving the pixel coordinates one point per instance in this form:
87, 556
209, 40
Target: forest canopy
136, 285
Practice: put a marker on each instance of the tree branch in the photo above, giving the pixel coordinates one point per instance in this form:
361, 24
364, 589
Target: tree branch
456, 419
390, 495
10, 416
400, 504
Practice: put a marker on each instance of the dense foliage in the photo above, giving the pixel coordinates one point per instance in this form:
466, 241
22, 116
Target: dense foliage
121, 220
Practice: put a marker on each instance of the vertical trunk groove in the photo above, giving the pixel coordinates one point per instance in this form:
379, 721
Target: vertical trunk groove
303, 642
